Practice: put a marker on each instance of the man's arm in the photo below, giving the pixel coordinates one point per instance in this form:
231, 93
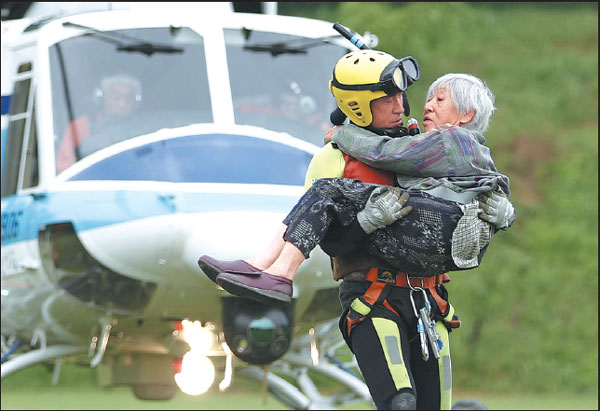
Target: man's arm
327, 163
384, 206
497, 210
383, 210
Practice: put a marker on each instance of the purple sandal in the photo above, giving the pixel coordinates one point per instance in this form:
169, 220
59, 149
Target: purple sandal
212, 267
263, 287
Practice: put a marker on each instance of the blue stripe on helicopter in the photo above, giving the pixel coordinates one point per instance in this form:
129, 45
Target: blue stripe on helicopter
94, 209
209, 158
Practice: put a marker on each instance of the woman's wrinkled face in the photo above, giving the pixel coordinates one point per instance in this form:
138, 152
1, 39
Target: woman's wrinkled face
440, 109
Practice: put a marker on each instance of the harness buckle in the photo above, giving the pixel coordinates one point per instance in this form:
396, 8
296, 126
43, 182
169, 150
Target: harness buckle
416, 288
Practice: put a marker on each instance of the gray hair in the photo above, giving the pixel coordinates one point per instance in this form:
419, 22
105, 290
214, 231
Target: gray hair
468, 93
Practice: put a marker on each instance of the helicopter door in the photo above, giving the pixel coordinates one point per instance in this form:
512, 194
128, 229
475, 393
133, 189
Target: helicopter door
20, 173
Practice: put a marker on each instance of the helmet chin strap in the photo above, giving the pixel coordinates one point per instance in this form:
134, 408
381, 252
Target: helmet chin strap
399, 131
406, 104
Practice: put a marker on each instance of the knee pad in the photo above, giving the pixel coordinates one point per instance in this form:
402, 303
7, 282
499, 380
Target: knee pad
404, 401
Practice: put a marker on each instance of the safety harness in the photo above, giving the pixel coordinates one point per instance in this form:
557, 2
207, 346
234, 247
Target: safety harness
381, 282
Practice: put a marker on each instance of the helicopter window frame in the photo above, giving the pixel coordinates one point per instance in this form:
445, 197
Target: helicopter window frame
31, 175
284, 96
19, 134
167, 99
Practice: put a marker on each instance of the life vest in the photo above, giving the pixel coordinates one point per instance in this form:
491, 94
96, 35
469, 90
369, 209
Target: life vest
360, 171
354, 260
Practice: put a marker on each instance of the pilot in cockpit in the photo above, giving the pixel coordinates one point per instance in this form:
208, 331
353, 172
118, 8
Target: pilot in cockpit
299, 108
116, 98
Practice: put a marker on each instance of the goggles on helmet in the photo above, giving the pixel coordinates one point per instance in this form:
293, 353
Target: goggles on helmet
395, 78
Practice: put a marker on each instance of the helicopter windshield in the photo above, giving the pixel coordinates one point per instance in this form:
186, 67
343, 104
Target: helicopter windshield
114, 90
280, 81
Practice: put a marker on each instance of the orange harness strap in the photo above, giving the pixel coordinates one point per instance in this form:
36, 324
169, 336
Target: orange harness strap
374, 294
380, 279
443, 304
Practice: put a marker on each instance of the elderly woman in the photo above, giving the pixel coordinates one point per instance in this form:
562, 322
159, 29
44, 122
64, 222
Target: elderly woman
439, 173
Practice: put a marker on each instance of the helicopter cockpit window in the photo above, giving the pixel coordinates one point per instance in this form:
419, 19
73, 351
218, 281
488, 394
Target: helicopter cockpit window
16, 133
280, 81
106, 90
31, 171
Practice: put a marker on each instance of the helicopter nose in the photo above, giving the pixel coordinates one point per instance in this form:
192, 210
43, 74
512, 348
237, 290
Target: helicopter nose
229, 235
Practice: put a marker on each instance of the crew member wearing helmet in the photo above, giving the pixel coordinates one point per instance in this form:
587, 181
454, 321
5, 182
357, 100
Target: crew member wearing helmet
380, 314
116, 97
369, 87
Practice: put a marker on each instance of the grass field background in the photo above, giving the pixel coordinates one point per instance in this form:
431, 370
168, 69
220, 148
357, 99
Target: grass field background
32, 389
121, 398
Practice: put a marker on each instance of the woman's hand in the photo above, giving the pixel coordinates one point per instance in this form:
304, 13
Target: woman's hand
329, 134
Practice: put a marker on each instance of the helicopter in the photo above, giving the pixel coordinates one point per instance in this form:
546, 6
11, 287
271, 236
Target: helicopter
105, 211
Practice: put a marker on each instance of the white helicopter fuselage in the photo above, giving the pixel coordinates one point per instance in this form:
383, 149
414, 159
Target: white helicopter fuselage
101, 236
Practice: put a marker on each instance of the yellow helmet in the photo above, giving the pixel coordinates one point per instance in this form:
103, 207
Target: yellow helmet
362, 76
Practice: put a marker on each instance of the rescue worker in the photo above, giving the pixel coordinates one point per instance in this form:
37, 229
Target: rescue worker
380, 303
381, 343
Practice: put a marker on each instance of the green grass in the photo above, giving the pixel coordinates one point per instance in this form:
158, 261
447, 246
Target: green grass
31, 389
528, 401
121, 398
249, 398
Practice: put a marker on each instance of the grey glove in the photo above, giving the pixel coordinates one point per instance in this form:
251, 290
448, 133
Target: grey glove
384, 206
497, 210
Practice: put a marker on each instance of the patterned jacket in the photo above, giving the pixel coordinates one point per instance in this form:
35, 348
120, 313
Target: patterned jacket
449, 156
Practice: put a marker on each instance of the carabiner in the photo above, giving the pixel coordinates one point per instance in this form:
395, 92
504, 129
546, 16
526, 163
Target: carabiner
412, 301
410, 285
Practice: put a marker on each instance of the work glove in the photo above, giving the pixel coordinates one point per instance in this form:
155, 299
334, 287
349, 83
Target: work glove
384, 206
497, 210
